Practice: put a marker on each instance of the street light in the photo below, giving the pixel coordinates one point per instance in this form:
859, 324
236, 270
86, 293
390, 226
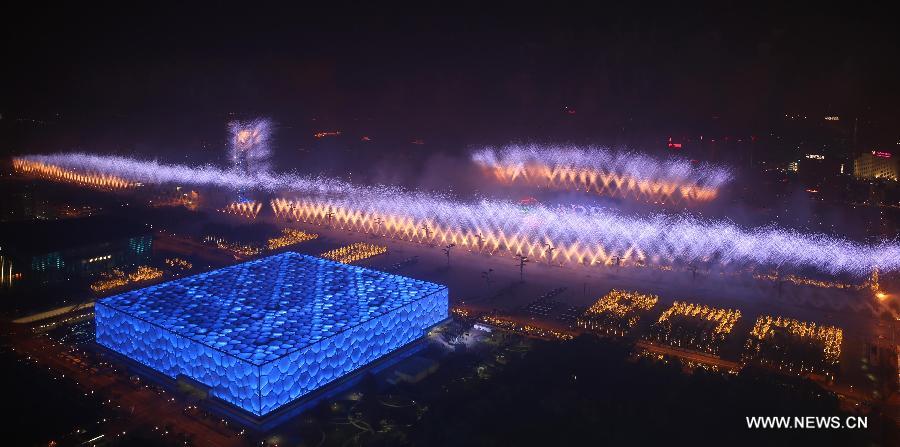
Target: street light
522, 261
486, 275
447, 252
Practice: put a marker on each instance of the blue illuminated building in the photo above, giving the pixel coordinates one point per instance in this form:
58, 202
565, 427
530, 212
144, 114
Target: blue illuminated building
267, 332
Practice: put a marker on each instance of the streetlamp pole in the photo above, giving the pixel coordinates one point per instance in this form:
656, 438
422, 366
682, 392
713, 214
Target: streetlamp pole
522, 261
447, 252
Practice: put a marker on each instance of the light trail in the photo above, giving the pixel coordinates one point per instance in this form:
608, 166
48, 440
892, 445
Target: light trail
57, 173
615, 174
154, 172
602, 237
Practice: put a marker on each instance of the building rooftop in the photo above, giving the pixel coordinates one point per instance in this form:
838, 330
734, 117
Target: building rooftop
40, 236
262, 310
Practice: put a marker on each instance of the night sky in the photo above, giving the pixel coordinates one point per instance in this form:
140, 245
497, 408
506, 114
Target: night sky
162, 81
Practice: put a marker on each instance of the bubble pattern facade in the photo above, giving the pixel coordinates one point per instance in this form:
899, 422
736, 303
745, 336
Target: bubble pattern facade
266, 332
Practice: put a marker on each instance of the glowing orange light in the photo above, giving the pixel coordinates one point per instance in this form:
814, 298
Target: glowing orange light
248, 210
354, 252
56, 173
320, 135
290, 236
604, 183
481, 239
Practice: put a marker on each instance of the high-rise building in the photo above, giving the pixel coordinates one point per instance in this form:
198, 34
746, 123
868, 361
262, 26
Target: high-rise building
875, 165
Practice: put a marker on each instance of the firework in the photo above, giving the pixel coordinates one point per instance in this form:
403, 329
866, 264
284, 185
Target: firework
57, 173
603, 237
600, 237
154, 172
616, 174
249, 148
248, 209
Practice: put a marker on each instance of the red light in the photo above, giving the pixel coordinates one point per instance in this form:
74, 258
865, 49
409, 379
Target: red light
881, 154
672, 145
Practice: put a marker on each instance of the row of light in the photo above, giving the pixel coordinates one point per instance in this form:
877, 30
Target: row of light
603, 183
179, 263
616, 174
482, 238
540, 233
57, 173
604, 238
724, 318
290, 236
524, 328
616, 312
829, 337
354, 252
620, 302
118, 278
244, 209
234, 247
698, 337
803, 281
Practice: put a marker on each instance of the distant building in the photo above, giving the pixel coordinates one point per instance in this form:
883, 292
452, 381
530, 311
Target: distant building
57, 251
875, 165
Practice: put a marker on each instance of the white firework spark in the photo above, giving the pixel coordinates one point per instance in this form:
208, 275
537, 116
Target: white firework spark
614, 173
596, 237
249, 147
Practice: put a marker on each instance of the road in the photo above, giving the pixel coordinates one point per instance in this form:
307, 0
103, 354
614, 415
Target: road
142, 406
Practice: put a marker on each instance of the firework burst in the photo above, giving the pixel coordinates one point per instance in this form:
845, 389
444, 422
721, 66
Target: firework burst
616, 174
249, 148
490, 225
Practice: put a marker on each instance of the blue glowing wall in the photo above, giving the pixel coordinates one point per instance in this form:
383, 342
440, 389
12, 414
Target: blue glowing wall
264, 333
